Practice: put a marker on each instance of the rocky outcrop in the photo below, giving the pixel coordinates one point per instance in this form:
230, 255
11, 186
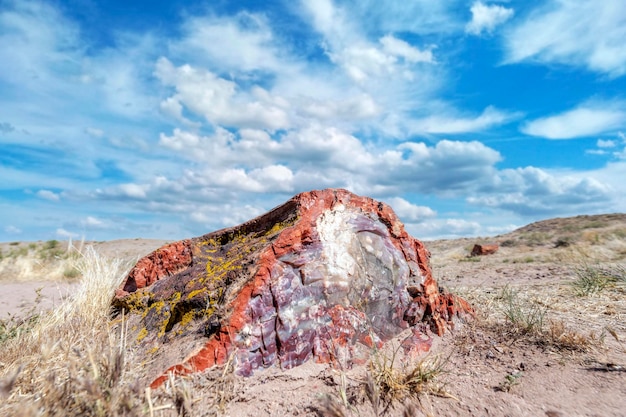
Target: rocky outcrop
482, 250
327, 276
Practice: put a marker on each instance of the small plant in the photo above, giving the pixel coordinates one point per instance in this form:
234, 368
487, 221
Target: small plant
525, 316
510, 380
592, 278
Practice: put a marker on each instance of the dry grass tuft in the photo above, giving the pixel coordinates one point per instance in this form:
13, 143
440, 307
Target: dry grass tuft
389, 382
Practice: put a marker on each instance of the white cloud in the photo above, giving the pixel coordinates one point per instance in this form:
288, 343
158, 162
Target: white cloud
62, 233
48, 195
531, 191
408, 212
12, 230
251, 43
486, 18
92, 223
586, 120
579, 33
606, 143
446, 228
219, 100
449, 124
422, 17
94, 132
399, 48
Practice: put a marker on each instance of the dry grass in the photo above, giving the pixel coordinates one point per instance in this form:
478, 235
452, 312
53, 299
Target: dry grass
75, 361
541, 318
391, 381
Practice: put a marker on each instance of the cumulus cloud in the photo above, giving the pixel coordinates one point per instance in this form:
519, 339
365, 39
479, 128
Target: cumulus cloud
485, 18
585, 120
219, 100
408, 212
446, 228
48, 195
533, 191
587, 34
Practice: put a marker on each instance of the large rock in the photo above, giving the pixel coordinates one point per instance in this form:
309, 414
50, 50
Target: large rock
485, 249
326, 276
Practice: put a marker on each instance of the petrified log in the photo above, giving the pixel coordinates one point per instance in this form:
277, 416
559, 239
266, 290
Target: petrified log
485, 249
328, 276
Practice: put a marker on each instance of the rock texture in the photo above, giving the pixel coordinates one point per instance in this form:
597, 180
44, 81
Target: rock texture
482, 250
326, 276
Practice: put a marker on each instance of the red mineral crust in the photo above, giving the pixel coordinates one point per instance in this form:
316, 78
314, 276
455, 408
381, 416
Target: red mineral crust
326, 276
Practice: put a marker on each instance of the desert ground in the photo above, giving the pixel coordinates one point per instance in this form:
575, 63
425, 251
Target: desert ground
548, 337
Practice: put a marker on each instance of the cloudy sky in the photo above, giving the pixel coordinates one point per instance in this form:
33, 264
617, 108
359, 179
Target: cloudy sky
163, 119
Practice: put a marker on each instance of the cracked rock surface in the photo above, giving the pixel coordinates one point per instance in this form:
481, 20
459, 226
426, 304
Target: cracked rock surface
327, 276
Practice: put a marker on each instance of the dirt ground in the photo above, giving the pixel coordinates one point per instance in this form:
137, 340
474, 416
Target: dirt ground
572, 364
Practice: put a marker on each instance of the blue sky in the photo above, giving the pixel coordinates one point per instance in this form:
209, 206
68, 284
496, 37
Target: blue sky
162, 119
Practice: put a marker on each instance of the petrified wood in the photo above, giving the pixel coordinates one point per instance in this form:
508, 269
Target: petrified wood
327, 276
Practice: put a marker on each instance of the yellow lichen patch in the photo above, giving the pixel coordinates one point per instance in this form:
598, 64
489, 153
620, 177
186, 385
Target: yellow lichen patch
187, 317
135, 301
194, 293
142, 334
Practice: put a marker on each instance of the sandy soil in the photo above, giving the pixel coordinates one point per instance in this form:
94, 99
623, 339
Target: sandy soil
488, 370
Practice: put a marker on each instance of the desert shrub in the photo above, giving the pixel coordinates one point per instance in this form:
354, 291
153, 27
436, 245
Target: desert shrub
536, 238
596, 224
508, 243
563, 242
51, 244
620, 233
18, 252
